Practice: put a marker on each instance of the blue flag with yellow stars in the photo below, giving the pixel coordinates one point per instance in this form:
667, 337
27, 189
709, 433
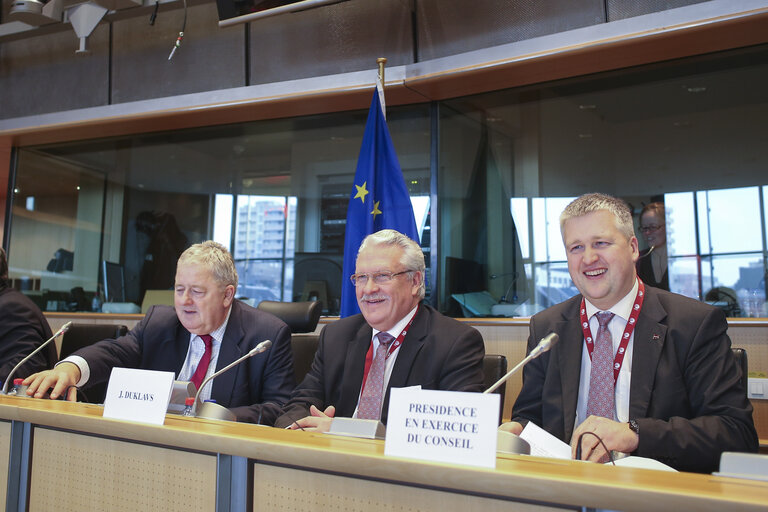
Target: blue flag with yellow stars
379, 198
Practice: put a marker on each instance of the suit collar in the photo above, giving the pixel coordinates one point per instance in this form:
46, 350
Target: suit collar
231, 349
410, 348
650, 336
355, 360
354, 367
568, 358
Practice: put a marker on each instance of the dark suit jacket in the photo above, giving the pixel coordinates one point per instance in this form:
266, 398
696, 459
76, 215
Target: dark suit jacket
437, 353
23, 328
685, 392
253, 390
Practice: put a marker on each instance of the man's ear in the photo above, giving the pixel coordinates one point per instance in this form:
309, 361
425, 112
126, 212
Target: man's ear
229, 295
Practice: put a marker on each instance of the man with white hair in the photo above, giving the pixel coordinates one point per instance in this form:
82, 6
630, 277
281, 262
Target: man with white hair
206, 330
396, 341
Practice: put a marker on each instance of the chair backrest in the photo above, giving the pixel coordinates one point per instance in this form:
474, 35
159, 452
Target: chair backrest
156, 297
742, 362
494, 368
82, 335
300, 316
304, 347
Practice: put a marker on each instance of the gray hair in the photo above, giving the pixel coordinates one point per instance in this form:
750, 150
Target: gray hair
413, 256
594, 202
213, 256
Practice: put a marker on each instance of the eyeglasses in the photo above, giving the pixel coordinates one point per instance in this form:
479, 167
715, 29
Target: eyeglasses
651, 228
378, 277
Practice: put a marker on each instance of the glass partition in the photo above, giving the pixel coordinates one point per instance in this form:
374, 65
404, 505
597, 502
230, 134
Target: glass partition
690, 135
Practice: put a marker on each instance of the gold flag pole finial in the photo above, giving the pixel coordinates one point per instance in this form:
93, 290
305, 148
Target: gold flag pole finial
381, 61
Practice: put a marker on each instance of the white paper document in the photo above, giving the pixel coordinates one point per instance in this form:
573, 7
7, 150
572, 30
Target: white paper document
544, 444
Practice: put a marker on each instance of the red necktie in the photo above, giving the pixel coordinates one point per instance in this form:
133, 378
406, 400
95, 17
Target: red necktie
202, 366
370, 400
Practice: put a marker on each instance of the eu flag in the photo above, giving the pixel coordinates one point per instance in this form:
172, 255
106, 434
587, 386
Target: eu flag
379, 198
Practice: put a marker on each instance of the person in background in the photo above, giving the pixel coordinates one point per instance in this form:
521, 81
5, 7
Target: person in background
395, 342
205, 331
23, 328
649, 372
652, 262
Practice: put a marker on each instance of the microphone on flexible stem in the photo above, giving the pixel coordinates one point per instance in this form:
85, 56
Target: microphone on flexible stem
64, 328
648, 252
503, 299
545, 344
213, 410
506, 441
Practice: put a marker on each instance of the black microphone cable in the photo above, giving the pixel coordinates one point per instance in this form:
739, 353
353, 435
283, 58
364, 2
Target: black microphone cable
578, 447
153, 16
293, 421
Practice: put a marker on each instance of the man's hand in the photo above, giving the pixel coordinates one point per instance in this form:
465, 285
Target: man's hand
317, 421
62, 379
616, 437
511, 426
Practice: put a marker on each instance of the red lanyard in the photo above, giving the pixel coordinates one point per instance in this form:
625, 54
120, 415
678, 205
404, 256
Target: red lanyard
619, 358
392, 347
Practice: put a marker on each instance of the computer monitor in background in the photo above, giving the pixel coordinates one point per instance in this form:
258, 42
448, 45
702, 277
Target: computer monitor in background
462, 276
113, 276
317, 276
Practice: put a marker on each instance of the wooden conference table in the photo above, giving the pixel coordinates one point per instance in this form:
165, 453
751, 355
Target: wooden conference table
64, 456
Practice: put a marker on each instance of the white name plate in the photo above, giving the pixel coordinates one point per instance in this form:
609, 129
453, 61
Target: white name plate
138, 395
443, 426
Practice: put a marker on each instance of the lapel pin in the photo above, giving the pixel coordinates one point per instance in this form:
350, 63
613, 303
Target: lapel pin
655, 337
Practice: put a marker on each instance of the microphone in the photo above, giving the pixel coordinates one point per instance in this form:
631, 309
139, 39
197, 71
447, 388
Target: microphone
258, 349
545, 344
648, 252
64, 328
503, 299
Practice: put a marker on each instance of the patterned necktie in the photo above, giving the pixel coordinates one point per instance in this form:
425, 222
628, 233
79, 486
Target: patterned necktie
370, 399
202, 366
601, 389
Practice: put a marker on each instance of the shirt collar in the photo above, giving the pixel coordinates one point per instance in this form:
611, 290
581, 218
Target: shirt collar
623, 308
399, 326
218, 333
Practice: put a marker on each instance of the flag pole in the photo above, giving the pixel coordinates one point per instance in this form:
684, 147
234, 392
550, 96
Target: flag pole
381, 62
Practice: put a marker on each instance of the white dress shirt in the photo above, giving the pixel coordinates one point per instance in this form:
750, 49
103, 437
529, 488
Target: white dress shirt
621, 311
390, 361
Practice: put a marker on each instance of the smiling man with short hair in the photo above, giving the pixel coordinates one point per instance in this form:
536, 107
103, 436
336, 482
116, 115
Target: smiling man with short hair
646, 371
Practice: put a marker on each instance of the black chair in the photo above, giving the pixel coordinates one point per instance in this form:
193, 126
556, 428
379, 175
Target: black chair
494, 368
82, 335
742, 363
302, 318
